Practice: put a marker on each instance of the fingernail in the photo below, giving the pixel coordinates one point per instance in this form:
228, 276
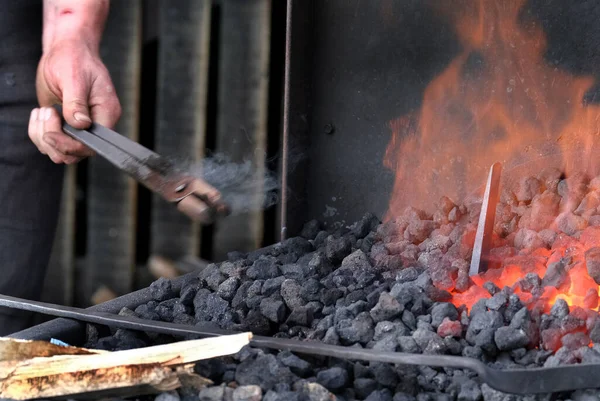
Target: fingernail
49, 140
47, 113
81, 117
34, 115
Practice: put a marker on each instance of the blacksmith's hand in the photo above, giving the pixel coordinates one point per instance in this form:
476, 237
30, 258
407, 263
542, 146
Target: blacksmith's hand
71, 73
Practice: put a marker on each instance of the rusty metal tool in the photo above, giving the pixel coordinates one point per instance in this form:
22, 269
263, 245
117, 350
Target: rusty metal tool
516, 381
193, 196
485, 227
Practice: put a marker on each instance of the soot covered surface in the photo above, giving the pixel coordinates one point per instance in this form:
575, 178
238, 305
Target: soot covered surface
399, 286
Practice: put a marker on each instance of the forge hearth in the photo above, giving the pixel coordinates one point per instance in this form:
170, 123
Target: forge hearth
402, 285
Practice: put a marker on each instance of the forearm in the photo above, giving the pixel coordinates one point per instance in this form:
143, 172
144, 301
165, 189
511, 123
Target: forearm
74, 19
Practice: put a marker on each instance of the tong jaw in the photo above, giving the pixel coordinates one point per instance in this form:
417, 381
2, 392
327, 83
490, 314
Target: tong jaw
195, 198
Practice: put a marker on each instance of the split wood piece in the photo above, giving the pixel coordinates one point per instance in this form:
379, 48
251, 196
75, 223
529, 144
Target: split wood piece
18, 350
162, 367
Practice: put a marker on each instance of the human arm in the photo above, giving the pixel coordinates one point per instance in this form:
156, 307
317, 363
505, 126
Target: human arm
71, 73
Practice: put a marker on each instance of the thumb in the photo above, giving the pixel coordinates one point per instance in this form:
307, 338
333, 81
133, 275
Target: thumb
76, 110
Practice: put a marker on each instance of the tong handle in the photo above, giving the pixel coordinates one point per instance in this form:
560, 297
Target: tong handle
193, 197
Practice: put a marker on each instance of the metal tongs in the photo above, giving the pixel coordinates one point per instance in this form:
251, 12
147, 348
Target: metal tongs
193, 196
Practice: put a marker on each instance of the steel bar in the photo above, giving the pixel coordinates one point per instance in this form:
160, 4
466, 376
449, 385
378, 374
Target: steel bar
286, 123
485, 227
518, 381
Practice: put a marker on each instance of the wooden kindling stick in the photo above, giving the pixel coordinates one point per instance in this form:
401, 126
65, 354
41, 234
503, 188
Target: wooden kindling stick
50, 370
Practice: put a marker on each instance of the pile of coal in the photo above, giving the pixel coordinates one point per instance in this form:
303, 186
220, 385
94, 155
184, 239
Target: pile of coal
386, 287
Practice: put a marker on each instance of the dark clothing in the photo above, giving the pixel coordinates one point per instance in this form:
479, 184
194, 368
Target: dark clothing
30, 184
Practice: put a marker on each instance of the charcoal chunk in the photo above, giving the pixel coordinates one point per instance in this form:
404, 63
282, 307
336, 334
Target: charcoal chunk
319, 264
387, 308
311, 290
231, 269
556, 275
406, 275
358, 330
263, 370
161, 289
560, 309
297, 365
356, 262
436, 346
394, 329
498, 302
336, 249
165, 309
384, 374
489, 320
592, 262
215, 306
403, 397
333, 379
228, 288
469, 391
298, 245
211, 277
408, 344
247, 393
380, 395
423, 337
364, 386
273, 309
263, 268
408, 318
595, 332
296, 271
300, 316
291, 292
365, 225
574, 341
449, 328
147, 312
441, 311
314, 392
330, 296
239, 300
253, 295
508, 338
569, 223
257, 323
215, 393
272, 285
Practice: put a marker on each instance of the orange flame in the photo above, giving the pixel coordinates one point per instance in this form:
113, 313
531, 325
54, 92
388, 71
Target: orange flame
498, 100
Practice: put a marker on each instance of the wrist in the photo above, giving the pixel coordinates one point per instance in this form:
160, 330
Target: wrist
74, 21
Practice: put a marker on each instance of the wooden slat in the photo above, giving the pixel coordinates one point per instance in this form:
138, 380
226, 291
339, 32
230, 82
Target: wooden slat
242, 119
184, 37
58, 285
112, 194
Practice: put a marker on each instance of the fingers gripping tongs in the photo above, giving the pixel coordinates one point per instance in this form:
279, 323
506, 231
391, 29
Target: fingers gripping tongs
194, 197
